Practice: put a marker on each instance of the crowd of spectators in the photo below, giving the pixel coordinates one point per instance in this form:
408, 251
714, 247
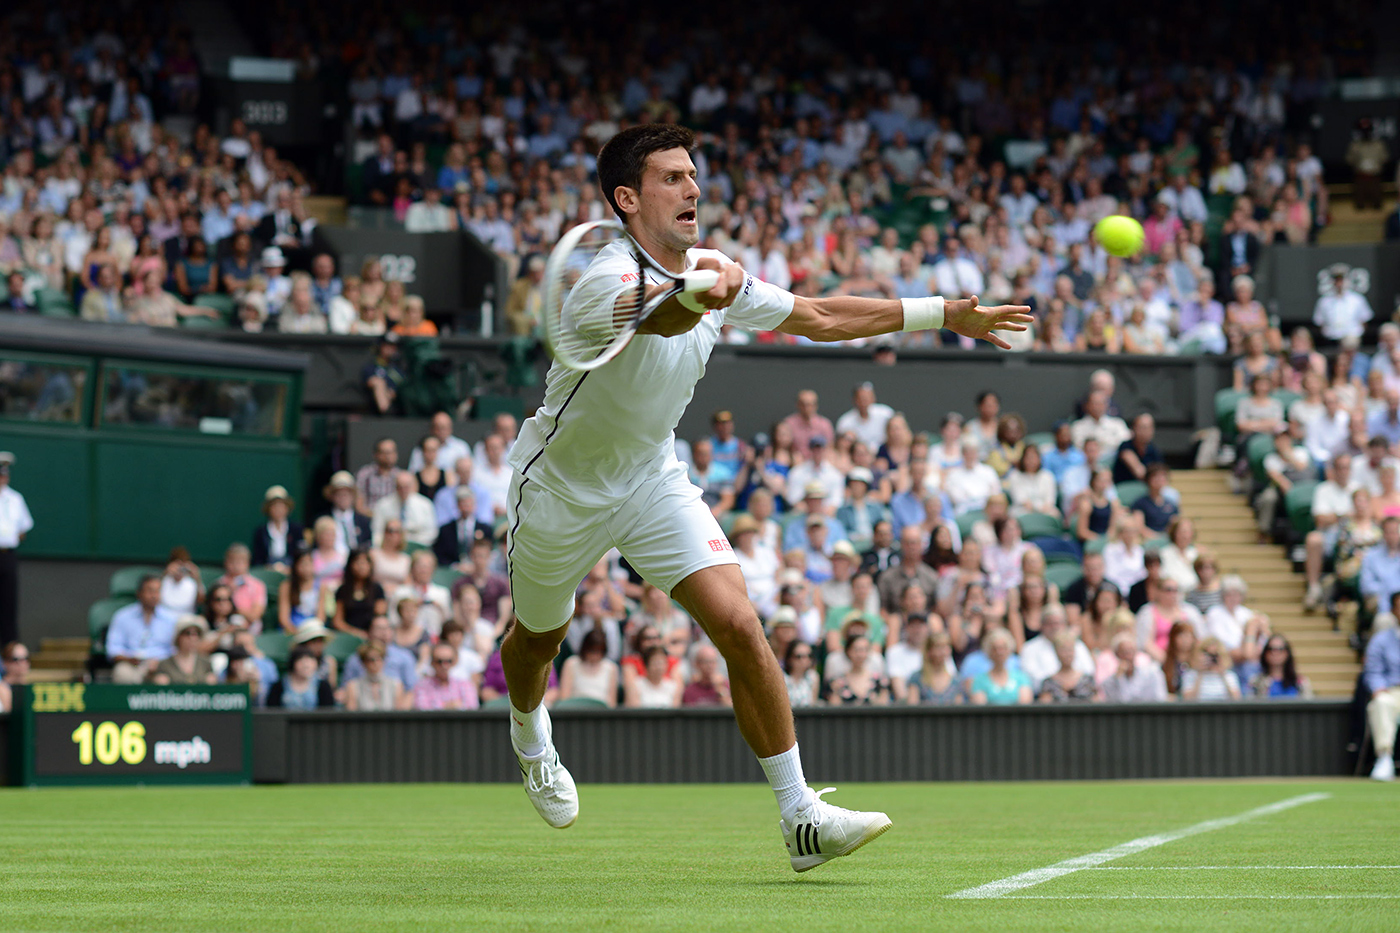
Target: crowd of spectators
903, 169
887, 567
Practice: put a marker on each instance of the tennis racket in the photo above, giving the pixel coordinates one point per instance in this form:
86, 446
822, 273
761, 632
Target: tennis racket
587, 326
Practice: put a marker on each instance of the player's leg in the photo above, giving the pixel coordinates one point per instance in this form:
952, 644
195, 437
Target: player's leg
673, 540
717, 598
550, 546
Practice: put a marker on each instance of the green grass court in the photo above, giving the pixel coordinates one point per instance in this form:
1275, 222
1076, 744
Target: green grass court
700, 857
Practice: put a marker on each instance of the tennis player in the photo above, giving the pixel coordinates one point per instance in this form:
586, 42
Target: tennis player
596, 468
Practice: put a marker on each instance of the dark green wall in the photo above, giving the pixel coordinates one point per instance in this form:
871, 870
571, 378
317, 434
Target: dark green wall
118, 496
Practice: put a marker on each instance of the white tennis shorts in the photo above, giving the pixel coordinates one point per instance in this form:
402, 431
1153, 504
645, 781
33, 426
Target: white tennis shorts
663, 529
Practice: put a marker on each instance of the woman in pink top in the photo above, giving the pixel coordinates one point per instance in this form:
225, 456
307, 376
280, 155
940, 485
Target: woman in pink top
440, 690
1155, 620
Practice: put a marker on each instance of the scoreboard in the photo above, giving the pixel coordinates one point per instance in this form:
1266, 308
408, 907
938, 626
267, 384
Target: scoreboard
109, 734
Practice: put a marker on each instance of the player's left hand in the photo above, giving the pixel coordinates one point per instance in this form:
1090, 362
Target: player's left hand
731, 280
963, 316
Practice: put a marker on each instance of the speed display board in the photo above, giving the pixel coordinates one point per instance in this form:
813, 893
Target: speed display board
108, 734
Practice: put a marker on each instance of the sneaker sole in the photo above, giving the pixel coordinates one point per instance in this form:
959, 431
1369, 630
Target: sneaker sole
803, 863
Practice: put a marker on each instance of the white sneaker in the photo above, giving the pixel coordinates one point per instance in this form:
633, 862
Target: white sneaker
823, 832
1313, 598
548, 784
1384, 769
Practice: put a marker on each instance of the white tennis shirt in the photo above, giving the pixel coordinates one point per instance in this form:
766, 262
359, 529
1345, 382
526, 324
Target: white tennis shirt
600, 433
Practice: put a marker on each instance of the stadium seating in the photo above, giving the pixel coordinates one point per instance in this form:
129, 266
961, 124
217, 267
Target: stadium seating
125, 580
1062, 575
1298, 503
1036, 524
1130, 492
277, 645
100, 616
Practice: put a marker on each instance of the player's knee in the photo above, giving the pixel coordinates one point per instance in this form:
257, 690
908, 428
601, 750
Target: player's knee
734, 627
1314, 539
535, 647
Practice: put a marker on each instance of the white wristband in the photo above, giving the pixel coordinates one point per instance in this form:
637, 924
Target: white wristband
689, 301
922, 313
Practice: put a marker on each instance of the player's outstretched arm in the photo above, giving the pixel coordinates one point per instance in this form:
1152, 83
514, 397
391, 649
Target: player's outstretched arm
844, 317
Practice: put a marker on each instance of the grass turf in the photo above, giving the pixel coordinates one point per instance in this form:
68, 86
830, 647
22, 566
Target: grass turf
475, 857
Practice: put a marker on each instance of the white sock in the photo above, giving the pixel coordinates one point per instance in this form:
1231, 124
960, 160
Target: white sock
789, 786
529, 731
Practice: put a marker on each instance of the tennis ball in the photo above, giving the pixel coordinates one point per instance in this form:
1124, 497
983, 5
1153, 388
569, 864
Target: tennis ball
1121, 236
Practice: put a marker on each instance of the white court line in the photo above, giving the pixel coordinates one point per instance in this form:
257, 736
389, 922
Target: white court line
1202, 897
1237, 867
1094, 859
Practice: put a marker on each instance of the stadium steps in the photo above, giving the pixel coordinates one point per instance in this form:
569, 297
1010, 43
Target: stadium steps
59, 660
1225, 524
1347, 225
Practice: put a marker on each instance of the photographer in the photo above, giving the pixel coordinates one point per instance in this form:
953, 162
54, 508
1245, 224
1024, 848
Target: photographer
1210, 677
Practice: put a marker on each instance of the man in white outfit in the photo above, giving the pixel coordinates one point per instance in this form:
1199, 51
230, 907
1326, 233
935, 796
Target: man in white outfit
596, 468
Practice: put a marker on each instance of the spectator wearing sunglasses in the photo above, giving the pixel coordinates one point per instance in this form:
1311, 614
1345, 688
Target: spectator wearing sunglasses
440, 690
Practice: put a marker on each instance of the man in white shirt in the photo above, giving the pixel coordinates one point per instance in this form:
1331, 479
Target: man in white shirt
503, 426
1020, 204
817, 469
867, 419
1097, 423
1331, 503
410, 507
971, 483
1329, 432
955, 274
491, 481
596, 468
1185, 200
1341, 312
1038, 657
451, 448
15, 523
905, 658
434, 600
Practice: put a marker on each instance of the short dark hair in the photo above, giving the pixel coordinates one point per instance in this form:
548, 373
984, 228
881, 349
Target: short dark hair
623, 158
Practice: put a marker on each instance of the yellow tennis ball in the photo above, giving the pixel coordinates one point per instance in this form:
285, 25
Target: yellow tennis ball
1121, 236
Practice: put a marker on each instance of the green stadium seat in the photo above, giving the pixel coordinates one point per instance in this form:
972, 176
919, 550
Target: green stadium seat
1130, 492
1062, 575
272, 579
342, 646
210, 575
1286, 398
220, 303
100, 616
413, 547
1041, 439
1095, 546
125, 580
1226, 401
1298, 503
581, 703
499, 703
967, 520
276, 645
446, 576
1037, 525
54, 302
195, 322
490, 405
1256, 449
1153, 544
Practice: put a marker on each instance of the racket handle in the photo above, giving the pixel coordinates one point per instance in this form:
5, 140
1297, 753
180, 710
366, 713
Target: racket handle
699, 280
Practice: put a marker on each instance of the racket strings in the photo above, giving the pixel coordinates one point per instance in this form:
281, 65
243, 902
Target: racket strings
592, 319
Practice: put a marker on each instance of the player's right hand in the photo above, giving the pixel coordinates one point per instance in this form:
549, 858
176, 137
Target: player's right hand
731, 280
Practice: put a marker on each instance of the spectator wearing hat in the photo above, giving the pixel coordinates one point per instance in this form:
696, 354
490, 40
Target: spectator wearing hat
315, 637
1342, 312
859, 513
757, 562
140, 635
867, 418
301, 688
275, 539
454, 539
782, 631
353, 530
817, 468
15, 523
813, 502
187, 665
279, 284
728, 452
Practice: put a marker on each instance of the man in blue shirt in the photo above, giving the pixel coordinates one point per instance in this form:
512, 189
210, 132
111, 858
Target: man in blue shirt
1382, 676
728, 449
1063, 456
1386, 423
141, 635
1380, 566
398, 661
